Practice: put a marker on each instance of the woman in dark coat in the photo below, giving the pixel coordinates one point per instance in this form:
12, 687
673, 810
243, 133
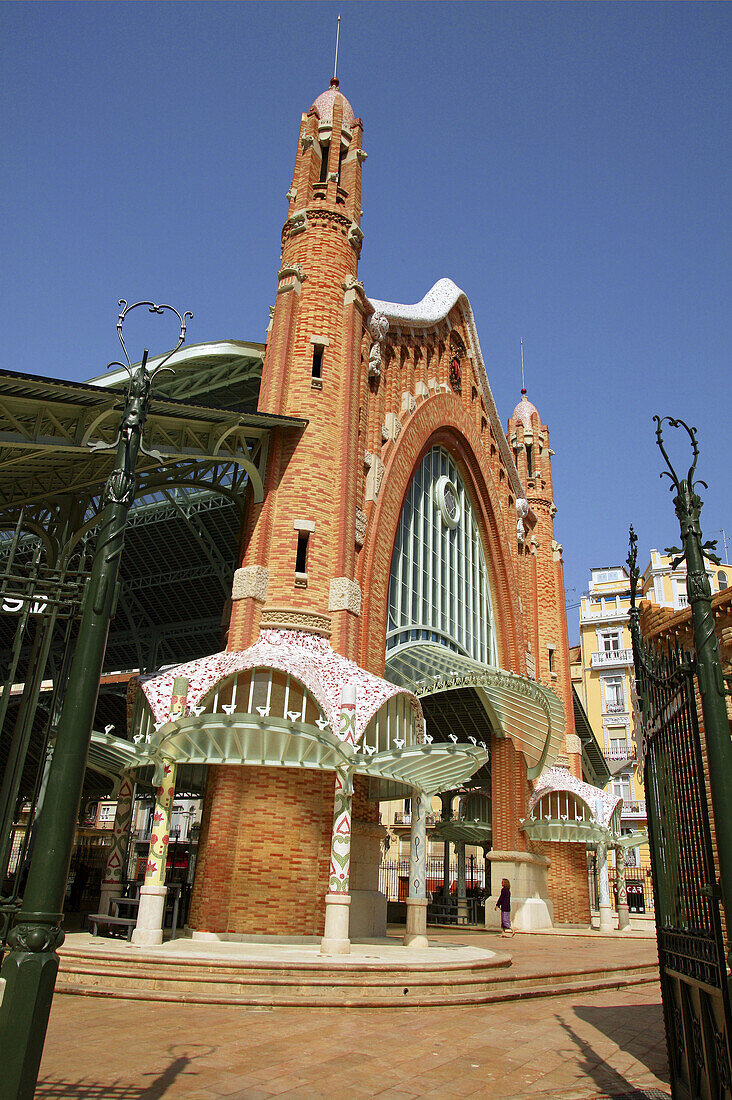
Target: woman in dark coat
504, 904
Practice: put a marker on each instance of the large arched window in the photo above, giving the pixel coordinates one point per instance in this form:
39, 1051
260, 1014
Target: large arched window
438, 588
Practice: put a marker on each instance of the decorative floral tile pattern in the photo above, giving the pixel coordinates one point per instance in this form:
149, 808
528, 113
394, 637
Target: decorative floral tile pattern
307, 657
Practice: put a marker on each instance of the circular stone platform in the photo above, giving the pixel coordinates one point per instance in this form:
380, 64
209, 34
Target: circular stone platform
278, 971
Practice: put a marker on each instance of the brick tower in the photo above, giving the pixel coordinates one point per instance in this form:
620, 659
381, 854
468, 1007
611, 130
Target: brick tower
543, 595
298, 550
298, 566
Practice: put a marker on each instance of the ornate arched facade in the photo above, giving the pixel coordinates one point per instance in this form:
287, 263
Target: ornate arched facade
290, 839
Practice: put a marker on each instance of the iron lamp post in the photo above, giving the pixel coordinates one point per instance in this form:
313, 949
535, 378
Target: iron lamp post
29, 968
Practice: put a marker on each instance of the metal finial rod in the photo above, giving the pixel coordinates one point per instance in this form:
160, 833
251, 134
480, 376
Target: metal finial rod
338, 33
523, 383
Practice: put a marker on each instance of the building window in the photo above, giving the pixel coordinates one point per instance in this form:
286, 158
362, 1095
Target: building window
614, 694
617, 742
610, 641
301, 556
107, 811
324, 151
317, 360
621, 788
439, 589
722, 580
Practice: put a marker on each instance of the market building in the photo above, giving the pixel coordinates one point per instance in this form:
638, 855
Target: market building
396, 627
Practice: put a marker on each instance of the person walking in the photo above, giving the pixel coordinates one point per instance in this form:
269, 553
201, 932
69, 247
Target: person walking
504, 904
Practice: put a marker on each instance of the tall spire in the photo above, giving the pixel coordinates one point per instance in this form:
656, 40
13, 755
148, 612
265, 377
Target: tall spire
334, 81
523, 383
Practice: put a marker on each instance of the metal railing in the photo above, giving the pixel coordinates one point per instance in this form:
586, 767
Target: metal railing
606, 657
394, 877
634, 808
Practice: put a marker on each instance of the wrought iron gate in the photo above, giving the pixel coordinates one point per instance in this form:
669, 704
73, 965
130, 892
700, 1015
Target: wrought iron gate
694, 975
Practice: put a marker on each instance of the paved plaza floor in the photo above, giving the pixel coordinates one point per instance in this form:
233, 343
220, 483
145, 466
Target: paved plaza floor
607, 1044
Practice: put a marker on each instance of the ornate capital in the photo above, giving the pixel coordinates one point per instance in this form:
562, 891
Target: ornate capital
345, 595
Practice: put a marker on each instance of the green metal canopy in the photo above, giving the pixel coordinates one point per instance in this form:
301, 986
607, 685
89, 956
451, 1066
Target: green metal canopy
461, 830
527, 712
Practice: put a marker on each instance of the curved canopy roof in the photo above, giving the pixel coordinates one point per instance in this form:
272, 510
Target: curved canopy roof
527, 712
308, 657
564, 809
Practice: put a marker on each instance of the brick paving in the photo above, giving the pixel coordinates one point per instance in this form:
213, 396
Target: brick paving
589, 1045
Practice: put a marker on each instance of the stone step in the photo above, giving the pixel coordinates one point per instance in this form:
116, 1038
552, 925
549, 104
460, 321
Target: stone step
252, 982
411, 998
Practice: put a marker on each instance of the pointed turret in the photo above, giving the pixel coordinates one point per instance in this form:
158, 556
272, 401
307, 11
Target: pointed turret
303, 536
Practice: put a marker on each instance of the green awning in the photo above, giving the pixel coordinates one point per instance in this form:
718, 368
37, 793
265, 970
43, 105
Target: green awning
467, 832
527, 712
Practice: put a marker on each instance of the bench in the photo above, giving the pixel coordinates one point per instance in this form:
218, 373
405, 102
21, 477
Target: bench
127, 924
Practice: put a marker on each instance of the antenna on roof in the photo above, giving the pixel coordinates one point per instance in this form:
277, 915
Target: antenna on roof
523, 383
335, 66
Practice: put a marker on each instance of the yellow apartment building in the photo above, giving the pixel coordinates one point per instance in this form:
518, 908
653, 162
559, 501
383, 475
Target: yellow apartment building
603, 676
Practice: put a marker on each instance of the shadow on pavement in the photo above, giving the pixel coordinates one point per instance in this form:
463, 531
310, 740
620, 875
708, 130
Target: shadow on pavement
86, 1089
628, 1027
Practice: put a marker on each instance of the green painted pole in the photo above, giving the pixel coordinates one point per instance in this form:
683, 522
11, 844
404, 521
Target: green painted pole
30, 967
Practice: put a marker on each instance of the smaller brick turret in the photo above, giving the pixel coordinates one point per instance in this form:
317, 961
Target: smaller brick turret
543, 577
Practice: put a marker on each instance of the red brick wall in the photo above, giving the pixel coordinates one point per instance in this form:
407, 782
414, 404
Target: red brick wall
567, 882
264, 853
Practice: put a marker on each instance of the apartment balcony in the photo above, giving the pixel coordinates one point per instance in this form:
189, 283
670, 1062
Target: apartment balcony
615, 708
602, 614
406, 819
633, 810
612, 658
626, 753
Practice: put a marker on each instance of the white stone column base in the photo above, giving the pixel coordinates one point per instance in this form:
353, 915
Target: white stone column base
606, 919
109, 891
335, 939
623, 918
415, 934
531, 908
149, 928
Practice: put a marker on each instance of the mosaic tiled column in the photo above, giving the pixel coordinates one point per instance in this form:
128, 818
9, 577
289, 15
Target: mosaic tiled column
462, 900
336, 939
623, 912
606, 913
149, 928
115, 872
415, 934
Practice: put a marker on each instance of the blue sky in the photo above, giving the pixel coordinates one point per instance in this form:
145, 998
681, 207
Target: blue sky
568, 165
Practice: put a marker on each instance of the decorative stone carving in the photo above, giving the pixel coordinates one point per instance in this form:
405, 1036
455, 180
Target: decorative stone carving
271, 313
250, 581
352, 283
298, 223
572, 743
533, 544
409, 403
292, 271
421, 391
360, 527
522, 511
345, 595
332, 177
361, 155
374, 476
307, 141
556, 550
355, 237
378, 326
391, 427
284, 618
291, 194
